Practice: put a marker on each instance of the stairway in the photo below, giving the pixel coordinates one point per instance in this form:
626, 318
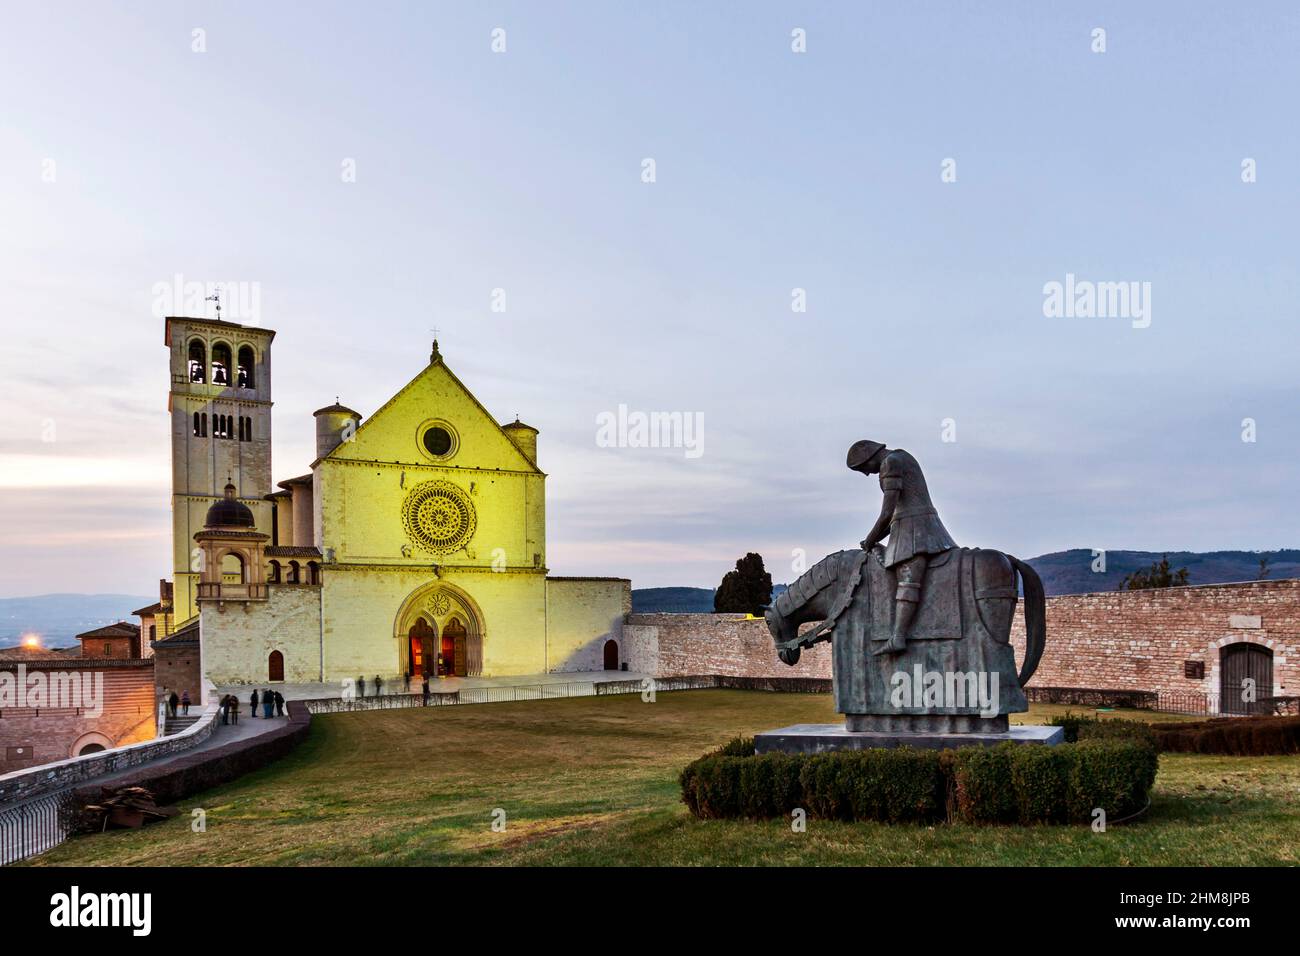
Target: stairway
174, 725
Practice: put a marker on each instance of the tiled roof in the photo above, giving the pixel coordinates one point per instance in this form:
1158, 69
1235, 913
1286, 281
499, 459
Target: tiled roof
120, 629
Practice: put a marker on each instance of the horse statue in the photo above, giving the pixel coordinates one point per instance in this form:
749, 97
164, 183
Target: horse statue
957, 673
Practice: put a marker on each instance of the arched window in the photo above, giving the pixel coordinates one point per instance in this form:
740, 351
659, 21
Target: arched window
220, 426
198, 362
313, 572
273, 575
221, 364
244, 374
294, 572
245, 428
232, 566
153, 632
198, 426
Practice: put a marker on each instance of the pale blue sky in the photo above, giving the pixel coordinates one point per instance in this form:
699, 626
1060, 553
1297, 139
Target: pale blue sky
775, 170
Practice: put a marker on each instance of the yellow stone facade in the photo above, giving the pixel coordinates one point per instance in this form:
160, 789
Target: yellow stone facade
415, 544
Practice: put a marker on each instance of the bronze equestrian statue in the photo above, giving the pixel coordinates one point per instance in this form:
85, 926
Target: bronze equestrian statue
919, 608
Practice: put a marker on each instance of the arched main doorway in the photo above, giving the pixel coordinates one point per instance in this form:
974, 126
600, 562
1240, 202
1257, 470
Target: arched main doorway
421, 659
611, 655
275, 666
1243, 666
454, 625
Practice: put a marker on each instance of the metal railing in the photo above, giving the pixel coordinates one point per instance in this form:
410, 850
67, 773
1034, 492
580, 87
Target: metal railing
509, 693
34, 826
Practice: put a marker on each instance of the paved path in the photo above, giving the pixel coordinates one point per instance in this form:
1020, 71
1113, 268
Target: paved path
444, 685
222, 734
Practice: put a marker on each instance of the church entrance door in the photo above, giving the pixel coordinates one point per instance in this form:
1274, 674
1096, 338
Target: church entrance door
420, 661
454, 635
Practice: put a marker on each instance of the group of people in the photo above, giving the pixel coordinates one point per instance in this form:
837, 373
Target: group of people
230, 709
271, 700
174, 703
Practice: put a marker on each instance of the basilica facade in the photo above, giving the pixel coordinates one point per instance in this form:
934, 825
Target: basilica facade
414, 544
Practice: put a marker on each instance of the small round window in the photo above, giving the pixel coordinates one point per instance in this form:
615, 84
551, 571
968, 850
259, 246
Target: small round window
438, 439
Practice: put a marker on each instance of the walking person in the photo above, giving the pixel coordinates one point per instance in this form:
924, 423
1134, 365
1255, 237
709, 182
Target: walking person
225, 710
185, 702
252, 703
172, 701
424, 690
379, 685
279, 704
234, 709
361, 687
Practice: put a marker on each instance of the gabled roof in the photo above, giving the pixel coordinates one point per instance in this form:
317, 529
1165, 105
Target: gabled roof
436, 361
120, 629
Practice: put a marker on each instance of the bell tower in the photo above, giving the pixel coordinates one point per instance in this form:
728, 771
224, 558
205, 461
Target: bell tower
220, 405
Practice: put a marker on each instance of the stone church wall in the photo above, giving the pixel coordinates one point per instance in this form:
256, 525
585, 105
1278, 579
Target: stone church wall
582, 614
238, 640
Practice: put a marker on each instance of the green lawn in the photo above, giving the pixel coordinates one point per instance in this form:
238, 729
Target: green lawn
593, 781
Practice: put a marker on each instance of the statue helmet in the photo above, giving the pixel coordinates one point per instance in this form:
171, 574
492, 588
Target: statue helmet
862, 452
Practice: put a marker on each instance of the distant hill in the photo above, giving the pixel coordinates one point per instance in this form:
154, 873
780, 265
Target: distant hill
1070, 572
674, 600
1063, 572
678, 600
59, 618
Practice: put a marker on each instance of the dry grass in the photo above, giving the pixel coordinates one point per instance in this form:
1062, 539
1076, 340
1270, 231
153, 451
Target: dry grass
593, 781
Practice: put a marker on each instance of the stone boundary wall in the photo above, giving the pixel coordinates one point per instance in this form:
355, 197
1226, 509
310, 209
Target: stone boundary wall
46, 778
1107, 640
192, 773
1141, 639
726, 645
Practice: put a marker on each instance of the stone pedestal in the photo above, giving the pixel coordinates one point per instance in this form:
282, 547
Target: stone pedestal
822, 738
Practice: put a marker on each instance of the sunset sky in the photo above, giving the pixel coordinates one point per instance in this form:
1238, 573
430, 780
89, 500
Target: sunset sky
128, 158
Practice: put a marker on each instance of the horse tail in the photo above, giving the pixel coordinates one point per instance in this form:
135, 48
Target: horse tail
1035, 619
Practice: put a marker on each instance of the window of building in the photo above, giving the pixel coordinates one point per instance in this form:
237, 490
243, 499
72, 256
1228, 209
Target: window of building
198, 361
244, 372
221, 364
438, 439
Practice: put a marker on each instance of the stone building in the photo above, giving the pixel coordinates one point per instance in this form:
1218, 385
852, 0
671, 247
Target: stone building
120, 640
415, 543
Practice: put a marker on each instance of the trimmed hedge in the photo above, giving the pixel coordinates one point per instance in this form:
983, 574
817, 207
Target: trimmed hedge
1084, 727
1008, 783
1234, 736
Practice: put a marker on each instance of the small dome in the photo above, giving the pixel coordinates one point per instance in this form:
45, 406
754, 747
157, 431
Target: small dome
229, 512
